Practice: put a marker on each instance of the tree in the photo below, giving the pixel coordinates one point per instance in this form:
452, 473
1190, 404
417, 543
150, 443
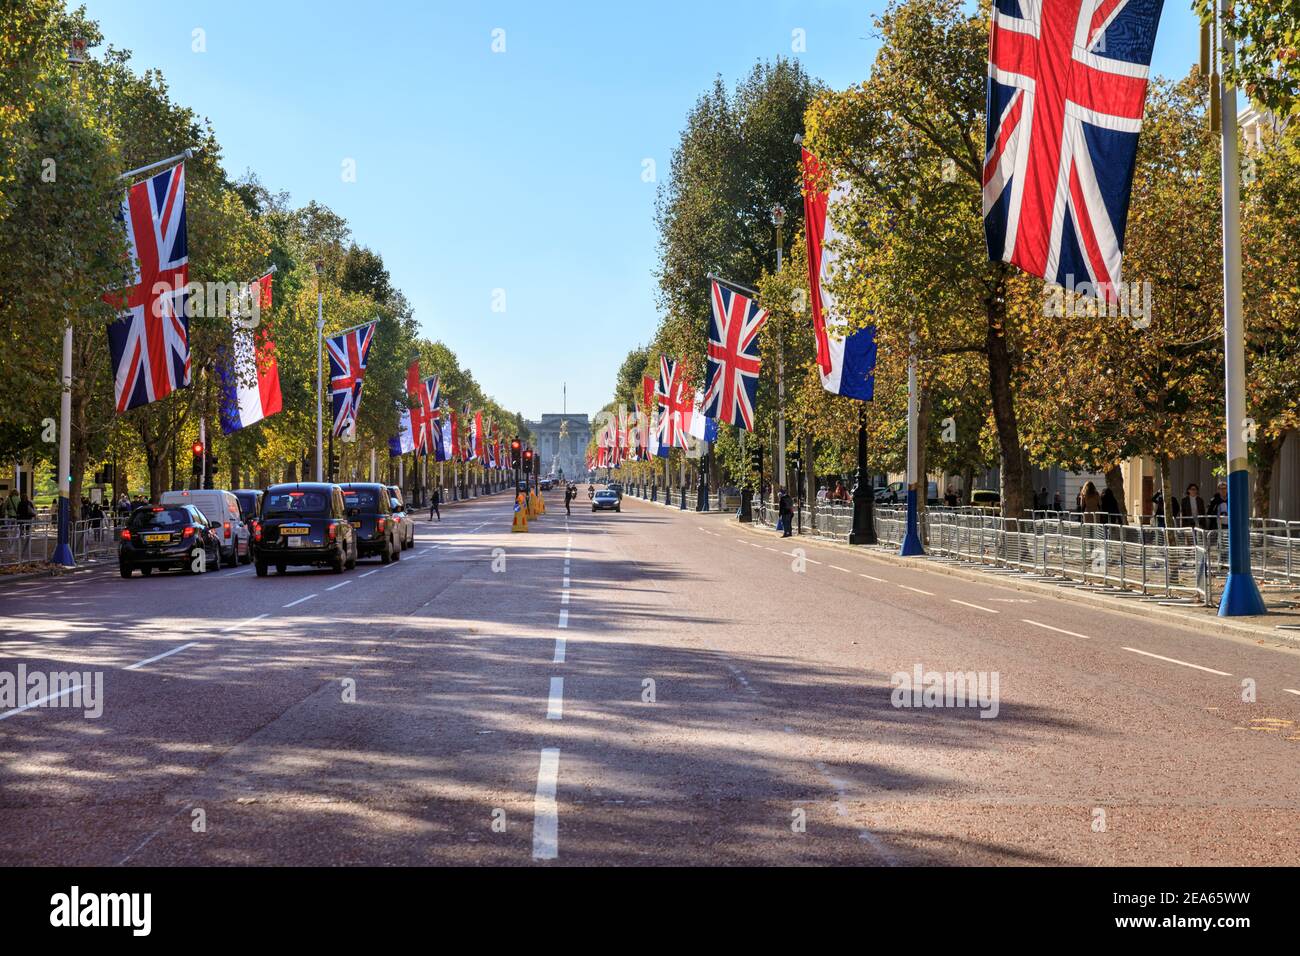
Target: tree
1268, 50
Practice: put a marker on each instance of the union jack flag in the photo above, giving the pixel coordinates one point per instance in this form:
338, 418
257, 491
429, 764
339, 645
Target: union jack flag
732, 380
1067, 84
348, 353
674, 404
149, 342
430, 434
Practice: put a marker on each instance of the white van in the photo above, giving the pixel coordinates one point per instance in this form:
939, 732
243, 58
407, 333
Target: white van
222, 506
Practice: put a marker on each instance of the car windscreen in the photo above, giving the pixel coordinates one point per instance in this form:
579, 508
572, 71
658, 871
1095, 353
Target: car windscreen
295, 504
606, 495
247, 502
361, 500
164, 518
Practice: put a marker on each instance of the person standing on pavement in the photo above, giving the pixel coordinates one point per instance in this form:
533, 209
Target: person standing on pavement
1193, 507
1219, 506
434, 501
786, 510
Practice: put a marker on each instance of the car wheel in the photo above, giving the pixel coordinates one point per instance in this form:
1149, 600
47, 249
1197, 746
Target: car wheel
261, 569
397, 552
279, 569
146, 570
337, 564
352, 557
231, 561
386, 556
125, 570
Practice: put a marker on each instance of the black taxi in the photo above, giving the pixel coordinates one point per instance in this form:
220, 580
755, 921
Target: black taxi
304, 523
369, 508
175, 536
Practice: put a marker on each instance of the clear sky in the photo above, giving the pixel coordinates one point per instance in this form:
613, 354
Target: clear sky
479, 171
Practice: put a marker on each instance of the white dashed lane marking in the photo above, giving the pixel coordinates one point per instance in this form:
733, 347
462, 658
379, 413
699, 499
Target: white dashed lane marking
546, 816
157, 657
986, 610
1058, 630
1174, 660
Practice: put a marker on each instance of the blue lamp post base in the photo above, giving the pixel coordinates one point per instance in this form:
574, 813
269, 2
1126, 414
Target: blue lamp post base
912, 539
63, 553
1241, 596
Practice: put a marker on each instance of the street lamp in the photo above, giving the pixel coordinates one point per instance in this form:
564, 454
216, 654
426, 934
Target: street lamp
778, 220
864, 503
320, 331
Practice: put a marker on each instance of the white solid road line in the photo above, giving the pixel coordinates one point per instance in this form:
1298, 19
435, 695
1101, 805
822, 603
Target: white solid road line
1058, 630
546, 815
1290, 691
564, 617
987, 610
368, 573
235, 627
335, 587
157, 657
917, 590
300, 600
555, 703
560, 645
36, 703
1174, 660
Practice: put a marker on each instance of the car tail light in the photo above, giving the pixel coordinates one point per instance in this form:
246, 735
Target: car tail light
226, 528
188, 532
257, 531
333, 527
126, 535
379, 524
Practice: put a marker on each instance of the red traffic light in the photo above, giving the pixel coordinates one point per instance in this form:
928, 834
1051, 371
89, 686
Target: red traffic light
528, 454
197, 448
515, 445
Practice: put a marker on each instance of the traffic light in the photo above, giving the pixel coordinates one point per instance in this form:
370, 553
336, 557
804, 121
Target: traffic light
756, 459
515, 447
197, 448
528, 459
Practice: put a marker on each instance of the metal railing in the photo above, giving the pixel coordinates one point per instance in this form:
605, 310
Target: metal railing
34, 542
1176, 563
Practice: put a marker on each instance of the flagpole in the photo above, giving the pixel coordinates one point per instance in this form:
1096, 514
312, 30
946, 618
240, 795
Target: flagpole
912, 540
320, 331
1240, 593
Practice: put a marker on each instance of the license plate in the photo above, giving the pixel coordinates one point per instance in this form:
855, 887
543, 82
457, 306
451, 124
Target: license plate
290, 532
297, 542
153, 538
356, 524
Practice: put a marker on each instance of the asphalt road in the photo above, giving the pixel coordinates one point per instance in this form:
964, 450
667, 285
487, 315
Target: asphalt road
650, 687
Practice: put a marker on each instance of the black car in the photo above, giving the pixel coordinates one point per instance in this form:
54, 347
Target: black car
402, 515
606, 500
250, 503
178, 537
304, 524
370, 510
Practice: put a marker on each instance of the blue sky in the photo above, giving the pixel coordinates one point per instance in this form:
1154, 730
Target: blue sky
479, 171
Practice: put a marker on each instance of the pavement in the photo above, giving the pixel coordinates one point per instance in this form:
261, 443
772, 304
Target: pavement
648, 687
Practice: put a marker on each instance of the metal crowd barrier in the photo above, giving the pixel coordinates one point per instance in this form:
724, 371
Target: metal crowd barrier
34, 542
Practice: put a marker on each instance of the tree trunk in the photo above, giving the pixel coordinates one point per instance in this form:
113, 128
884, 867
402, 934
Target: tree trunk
1164, 489
234, 466
1016, 495
967, 483
1115, 482
1266, 452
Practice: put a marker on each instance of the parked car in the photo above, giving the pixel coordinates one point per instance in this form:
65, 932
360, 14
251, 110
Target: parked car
221, 506
402, 515
304, 524
370, 510
178, 537
985, 497
606, 500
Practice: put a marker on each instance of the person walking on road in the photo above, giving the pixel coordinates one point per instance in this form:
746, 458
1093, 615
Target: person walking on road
785, 508
568, 497
434, 501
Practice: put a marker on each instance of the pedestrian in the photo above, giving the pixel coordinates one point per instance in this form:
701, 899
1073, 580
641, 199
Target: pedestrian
1041, 504
11, 506
785, 507
1110, 505
1193, 508
434, 502
1058, 503
1219, 505
1089, 503
568, 497
26, 515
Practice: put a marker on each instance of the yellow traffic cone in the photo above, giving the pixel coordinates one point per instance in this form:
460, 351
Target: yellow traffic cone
520, 522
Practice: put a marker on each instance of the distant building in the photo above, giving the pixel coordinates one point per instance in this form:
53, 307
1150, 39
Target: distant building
562, 442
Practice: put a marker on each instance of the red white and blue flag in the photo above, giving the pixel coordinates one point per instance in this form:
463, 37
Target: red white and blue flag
845, 362
1066, 89
250, 376
674, 406
149, 342
348, 354
731, 384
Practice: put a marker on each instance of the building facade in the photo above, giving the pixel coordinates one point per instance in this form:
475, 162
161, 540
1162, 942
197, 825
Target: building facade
561, 440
